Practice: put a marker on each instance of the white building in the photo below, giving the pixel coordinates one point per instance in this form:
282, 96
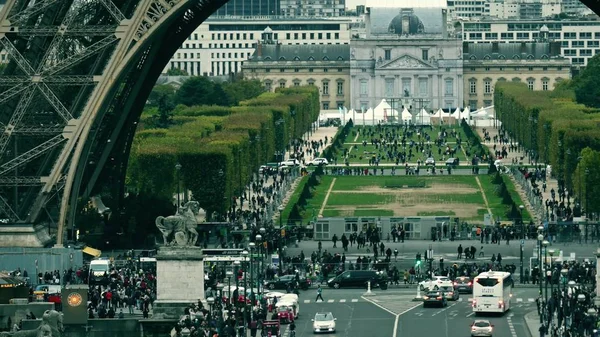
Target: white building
312, 8
580, 40
406, 58
466, 9
220, 45
524, 9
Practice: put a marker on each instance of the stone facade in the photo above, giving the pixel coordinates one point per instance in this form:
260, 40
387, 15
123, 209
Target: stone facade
539, 65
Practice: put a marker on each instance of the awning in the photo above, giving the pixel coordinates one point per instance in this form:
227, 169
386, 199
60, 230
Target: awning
92, 251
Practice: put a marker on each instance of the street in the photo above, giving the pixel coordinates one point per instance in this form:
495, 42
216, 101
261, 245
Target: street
360, 316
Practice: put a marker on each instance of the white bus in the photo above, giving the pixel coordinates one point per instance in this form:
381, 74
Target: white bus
492, 292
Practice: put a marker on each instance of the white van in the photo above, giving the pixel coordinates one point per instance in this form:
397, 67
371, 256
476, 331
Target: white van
99, 271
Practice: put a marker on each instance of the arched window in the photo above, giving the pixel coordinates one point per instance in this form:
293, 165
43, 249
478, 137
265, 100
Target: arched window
502, 79
296, 58
340, 58
530, 57
282, 58
486, 57
501, 57
545, 57
268, 58
472, 57
325, 58
310, 58
516, 57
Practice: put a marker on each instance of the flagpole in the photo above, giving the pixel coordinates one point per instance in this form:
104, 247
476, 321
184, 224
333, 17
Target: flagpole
363, 113
353, 116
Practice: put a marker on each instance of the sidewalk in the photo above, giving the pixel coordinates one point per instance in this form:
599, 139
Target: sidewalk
551, 183
532, 320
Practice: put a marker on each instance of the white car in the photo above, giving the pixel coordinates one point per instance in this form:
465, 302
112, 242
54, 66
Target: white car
324, 322
435, 283
318, 161
481, 328
430, 161
290, 162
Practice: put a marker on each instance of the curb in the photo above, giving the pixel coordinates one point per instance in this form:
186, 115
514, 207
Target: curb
532, 327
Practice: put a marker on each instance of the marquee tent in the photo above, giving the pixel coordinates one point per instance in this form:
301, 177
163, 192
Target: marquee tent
423, 118
406, 116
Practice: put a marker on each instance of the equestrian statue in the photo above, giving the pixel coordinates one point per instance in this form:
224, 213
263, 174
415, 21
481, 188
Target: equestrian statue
182, 225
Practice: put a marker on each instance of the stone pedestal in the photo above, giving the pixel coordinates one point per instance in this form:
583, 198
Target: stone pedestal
180, 280
24, 235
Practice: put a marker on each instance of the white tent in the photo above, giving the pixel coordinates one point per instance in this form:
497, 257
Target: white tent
384, 111
456, 114
423, 118
439, 113
406, 115
465, 113
481, 113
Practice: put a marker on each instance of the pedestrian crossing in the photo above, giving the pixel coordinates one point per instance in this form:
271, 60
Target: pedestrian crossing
354, 300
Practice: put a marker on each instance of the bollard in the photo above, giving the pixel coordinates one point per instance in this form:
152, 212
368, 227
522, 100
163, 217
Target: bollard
369, 292
418, 297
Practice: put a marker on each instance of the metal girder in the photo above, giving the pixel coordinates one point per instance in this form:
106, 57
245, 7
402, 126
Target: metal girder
113, 10
7, 210
55, 102
5, 95
60, 79
15, 119
39, 130
39, 6
56, 41
16, 56
87, 52
31, 154
20, 181
71, 31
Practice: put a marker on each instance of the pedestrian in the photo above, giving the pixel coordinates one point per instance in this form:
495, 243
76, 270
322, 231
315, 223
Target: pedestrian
460, 251
481, 253
319, 294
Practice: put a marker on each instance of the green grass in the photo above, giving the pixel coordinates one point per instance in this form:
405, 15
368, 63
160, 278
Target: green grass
436, 213
352, 183
373, 212
495, 201
332, 213
353, 199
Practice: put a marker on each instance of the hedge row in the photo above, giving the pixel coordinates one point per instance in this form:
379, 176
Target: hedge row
219, 148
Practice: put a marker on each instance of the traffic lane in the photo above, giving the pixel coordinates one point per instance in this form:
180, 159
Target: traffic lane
353, 319
453, 320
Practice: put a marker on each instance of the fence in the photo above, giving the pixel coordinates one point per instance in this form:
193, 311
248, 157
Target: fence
535, 202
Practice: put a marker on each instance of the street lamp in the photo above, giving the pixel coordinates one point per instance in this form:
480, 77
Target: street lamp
545, 243
279, 239
210, 301
229, 273
178, 168
245, 270
259, 269
236, 266
551, 252
521, 207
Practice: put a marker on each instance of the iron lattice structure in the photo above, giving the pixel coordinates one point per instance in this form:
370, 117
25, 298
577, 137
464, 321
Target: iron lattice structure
76, 78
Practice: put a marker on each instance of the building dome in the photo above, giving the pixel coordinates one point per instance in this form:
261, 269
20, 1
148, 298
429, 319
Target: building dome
406, 23
268, 30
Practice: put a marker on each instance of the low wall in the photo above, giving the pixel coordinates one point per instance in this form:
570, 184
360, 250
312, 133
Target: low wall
18, 312
113, 327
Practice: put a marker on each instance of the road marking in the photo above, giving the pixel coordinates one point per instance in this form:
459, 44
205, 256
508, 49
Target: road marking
306, 301
418, 314
513, 332
485, 200
471, 314
444, 309
327, 197
330, 301
519, 300
354, 300
342, 301
531, 300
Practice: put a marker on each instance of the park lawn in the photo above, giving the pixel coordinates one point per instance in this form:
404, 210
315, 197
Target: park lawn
433, 133
373, 212
495, 201
354, 199
351, 183
437, 213
363, 153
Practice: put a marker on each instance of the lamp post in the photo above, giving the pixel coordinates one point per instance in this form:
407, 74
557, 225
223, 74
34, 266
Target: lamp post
521, 208
178, 168
236, 266
587, 173
545, 243
228, 274
210, 301
279, 240
245, 270
259, 270
252, 247
551, 252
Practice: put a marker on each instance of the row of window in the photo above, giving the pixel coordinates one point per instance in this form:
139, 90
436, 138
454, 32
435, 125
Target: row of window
516, 68
298, 70
297, 83
387, 54
488, 88
288, 36
582, 52
406, 86
533, 36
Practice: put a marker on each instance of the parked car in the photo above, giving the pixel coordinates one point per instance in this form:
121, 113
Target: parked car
430, 161
435, 283
449, 293
318, 161
434, 298
463, 284
452, 162
290, 162
482, 328
283, 281
324, 322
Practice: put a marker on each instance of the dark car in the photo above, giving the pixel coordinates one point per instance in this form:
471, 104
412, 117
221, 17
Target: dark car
463, 285
434, 298
283, 281
449, 293
358, 279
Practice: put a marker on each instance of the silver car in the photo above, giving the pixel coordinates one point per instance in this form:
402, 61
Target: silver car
482, 328
324, 322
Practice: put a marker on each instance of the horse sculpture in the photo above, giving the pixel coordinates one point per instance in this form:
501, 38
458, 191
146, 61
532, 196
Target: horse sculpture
51, 326
182, 225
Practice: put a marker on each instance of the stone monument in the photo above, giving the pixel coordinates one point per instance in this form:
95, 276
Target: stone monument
179, 265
